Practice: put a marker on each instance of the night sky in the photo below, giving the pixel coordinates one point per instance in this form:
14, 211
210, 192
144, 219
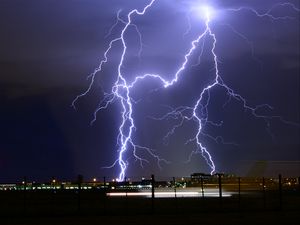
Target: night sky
48, 48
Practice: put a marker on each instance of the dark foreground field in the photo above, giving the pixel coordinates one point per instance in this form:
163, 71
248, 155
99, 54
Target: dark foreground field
210, 218
92, 207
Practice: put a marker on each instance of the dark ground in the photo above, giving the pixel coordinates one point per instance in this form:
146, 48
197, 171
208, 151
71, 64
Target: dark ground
62, 208
211, 218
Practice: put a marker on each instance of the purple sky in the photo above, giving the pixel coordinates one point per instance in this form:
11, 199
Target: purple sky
47, 49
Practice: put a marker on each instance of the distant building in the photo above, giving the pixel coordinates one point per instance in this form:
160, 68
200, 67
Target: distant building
196, 177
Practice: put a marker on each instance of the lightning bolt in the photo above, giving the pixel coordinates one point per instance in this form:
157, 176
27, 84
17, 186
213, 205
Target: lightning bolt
121, 89
268, 13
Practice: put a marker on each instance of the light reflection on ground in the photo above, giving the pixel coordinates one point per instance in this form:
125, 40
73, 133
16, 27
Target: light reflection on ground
181, 193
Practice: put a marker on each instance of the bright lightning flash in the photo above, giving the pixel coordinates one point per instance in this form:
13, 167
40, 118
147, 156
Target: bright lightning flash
121, 90
207, 12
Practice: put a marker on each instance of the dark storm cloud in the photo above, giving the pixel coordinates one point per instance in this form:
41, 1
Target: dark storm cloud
47, 48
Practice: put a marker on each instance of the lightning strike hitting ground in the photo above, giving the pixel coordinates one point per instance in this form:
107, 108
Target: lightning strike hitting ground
121, 90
